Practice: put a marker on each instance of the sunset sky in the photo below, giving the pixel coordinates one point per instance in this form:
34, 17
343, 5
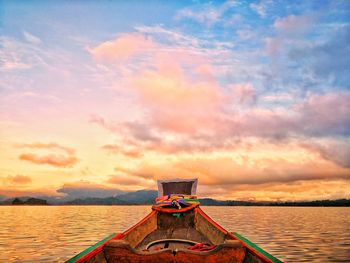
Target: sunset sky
251, 97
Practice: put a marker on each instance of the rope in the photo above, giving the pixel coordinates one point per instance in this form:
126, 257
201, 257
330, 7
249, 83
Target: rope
170, 240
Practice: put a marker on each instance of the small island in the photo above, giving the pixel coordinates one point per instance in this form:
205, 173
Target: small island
29, 201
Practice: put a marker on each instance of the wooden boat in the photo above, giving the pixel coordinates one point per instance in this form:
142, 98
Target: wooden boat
175, 233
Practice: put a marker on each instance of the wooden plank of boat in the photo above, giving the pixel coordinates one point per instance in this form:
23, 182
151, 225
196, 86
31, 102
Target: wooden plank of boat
170, 234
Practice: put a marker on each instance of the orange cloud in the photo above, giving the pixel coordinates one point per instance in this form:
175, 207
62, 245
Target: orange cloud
119, 149
51, 159
18, 179
129, 180
39, 145
256, 167
30, 192
123, 47
292, 191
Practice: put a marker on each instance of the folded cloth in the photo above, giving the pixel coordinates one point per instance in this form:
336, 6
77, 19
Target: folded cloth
176, 200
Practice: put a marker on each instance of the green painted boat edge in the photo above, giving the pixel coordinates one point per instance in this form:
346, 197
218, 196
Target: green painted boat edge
89, 249
257, 248
190, 199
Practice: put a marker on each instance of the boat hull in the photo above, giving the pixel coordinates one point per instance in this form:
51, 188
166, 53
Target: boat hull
136, 244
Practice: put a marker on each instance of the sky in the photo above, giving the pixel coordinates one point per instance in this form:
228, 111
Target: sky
250, 97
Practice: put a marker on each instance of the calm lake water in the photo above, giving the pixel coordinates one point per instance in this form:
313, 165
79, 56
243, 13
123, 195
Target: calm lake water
56, 233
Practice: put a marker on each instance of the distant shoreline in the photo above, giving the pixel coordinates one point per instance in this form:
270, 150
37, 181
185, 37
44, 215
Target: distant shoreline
144, 197
2, 205
226, 205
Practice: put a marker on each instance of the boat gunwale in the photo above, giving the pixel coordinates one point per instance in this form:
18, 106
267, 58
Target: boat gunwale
139, 223
253, 248
95, 249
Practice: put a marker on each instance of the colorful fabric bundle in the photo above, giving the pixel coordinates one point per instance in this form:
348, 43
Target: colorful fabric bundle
176, 201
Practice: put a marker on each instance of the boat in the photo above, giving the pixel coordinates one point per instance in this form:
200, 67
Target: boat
176, 230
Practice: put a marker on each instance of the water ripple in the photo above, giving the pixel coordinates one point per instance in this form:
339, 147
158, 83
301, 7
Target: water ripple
56, 233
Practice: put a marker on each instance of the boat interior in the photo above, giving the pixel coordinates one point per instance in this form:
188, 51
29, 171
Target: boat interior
175, 237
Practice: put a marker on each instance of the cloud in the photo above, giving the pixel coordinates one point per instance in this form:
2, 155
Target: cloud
208, 15
26, 192
18, 55
260, 8
51, 159
293, 191
335, 150
290, 30
293, 25
194, 124
86, 189
17, 180
31, 38
221, 169
172, 38
135, 130
244, 93
175, 102
123, 47
54, 146
180, 96
325, 114
132, 152
325, 61
58, 156
316, 117
129, 180
254, 171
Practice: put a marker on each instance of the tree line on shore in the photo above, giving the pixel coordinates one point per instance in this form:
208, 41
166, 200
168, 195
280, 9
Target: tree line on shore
147, 197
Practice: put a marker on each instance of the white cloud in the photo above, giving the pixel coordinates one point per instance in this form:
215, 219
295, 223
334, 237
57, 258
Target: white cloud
259, 8
31, 38
208, 15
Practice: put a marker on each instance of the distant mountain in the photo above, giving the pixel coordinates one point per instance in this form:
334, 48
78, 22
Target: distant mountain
71, 193
133, 198
339, 202
139, 197
97, 201
147, 197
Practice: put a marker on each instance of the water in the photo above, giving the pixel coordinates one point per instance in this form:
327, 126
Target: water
56, 233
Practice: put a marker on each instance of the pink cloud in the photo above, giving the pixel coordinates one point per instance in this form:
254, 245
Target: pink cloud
244, 93
123, 47
293, 24
322, 113
318, 115
185, 109
175, 102
335, 150
289, 30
